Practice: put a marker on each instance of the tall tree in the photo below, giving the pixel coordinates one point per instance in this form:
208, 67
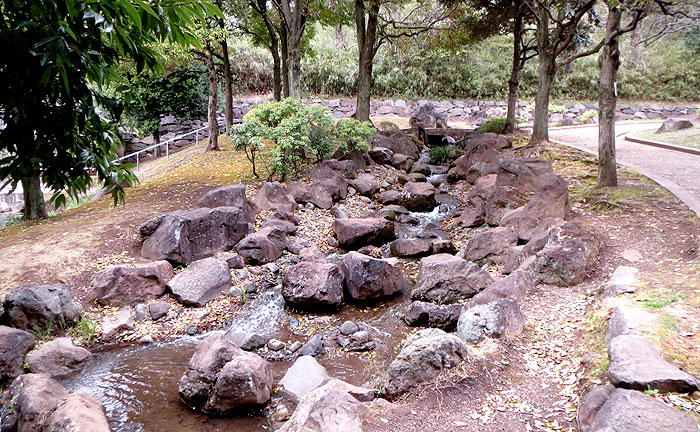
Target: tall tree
294, 17
58, 56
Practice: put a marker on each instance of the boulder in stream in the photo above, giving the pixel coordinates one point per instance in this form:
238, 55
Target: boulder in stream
419, 196
33, 397
44, 306
59, 358
446, 279
370, 278
14, 345
78, 412
128, 286
313, 284
303, 376
201, 282
357, 232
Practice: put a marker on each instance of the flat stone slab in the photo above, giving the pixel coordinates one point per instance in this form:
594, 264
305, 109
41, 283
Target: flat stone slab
623, 280
625, 320
304, 376
636, 364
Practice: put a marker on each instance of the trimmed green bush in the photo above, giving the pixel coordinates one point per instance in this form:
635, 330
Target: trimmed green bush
496, 125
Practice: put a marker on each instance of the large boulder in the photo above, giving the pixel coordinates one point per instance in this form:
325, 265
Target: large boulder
356, 232
315, 193
189, 235
514, 287
284, 221
335, 407
523, 174
128, 286
397, 142
427, 116
313, 285
429, 314
33, 397
633, 411
331, 179
419, 196
14, 345
222, 378
626, 320
304, 376
674, 124
229, 196
501, 317
370, 278
201, 282
425, 354
31, 305
447, 279
274, 196
263, 246
493, 244
590, 404
344, 167
381, 155
59, 358
365, 184
636, 364
113, 325
410, 248
401, 161
78, 412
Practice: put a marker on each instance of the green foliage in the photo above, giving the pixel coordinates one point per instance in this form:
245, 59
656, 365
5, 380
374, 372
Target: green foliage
84, 328
58, 59
441, 155
296, 130
496, 125
42, 332
587, 115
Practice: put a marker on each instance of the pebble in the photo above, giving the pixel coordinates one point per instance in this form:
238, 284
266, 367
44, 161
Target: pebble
352, 191
295, 346
309, 206
145, 340
276, 345
365, 199
251, 288
348, 328
140, 312
332, 242
313, 347
235, 292
192, 330
241, 274
272, 267
199, 315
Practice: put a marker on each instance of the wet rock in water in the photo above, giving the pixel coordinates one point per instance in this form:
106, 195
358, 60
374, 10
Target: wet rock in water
188, 235
112, 326
58, 358
335, 407
304, 376
492, 243
158, 310
313, 285
263, 246
247, 340
443, 247
590, 404
636, 364
355, 232
419, 196
410, 248
416, 178
14, 345
127, 286
348, 328
420, 168
623, 281
274, 196
625, 320
391, 212
229, 196
402, 162
447, 279
391, 196
428, 314
282, 220
34, 397
499, 318
633, 411
513, 286
425, 354
370, 278
381, 155
550, 201
396, 141
313, 347
201, 282
427, 116
674, 124
78, 412
330, 179
365, 184
221, 378
233, 260
361, 340
32, 305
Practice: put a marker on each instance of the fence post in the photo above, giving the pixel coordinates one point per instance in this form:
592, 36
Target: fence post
137, 162
167, 151
196, 140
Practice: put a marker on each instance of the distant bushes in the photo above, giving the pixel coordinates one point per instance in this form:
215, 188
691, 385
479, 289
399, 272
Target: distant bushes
496, 125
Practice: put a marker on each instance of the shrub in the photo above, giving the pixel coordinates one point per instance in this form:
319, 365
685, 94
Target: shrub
496, 125
589, 114
441, 155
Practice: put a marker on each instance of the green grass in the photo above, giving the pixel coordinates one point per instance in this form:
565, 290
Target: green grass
686, 137
656, 299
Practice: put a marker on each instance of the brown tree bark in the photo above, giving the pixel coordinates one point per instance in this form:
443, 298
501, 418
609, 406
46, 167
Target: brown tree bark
609, 62
34, 205
546, 72
294, 21
228, 85
156, 140
514, 81
285, 61
213, 140
366, 20
261, 9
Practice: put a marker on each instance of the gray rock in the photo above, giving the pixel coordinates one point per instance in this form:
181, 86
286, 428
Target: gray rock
127, 286
514, 287
410, 248
447, 279
428, 117
636, 364
492, 244
339, 211
625, 320
590, 404
34, 397
623, 281
14, 345
429, 314
112, 326
78, 412
140, 312
348, 328
633, 411
355, 232
422, 358
274, 196
263, 246
313, 347
229, 196
32, 305
304, 376
365, 184
247, 340
201, 282
371, 278
158, 310
234, 261
674, 124
58, 358
313, 285
276, 345
501, 317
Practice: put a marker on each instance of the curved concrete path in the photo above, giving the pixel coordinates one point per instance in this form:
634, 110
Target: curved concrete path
677, 172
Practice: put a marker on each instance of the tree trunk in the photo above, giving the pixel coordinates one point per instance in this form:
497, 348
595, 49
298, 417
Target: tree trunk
285, 61
514, 81
366, 20
609, 61
34, 206
213, 140
546, 71
339, 40
294, 22
294, 71
276, 72
228, 85
156, 140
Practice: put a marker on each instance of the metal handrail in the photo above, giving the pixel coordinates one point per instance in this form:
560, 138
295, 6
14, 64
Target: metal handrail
165, 143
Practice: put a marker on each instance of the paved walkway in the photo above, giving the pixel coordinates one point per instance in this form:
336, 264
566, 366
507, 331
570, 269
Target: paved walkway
677, 172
